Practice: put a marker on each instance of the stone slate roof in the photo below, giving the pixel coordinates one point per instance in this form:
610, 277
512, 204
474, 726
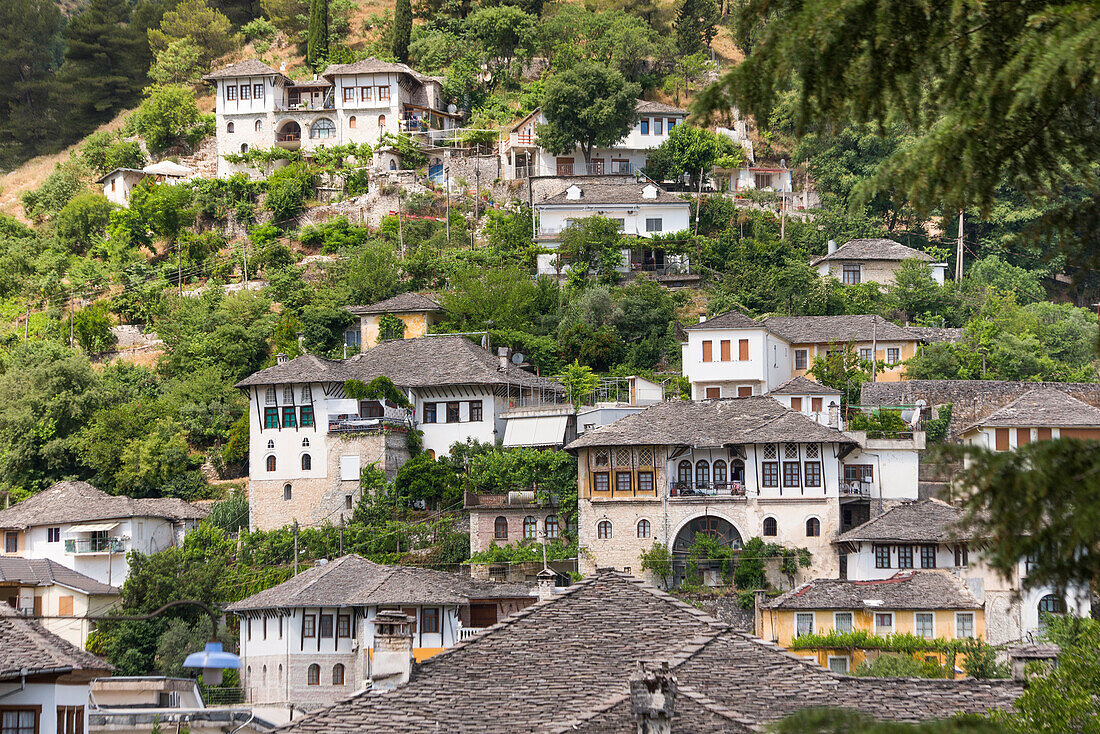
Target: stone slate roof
873, 249
75, 502
727, 320
645, 107
424, 362
719, 422
251, 67
605, 193
922, 521
804, 386
836, 329
354, 581
564, 664
401, 303
933, 334
933, 589
374, 66
27, 644
1043, 407
46, 572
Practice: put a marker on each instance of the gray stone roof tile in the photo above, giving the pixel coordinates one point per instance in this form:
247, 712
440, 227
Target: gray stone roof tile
401, 303
922, 521
873, 249
1044, 407
565, 662
804, 386
46, 572
28, 645
645, 107
611, 193
721, 422
251, 67
836, 329
925, 589
727, 320
73, 502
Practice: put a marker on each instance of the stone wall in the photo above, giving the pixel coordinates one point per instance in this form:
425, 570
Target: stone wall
483, 525
723, 608
971, 400
274, 688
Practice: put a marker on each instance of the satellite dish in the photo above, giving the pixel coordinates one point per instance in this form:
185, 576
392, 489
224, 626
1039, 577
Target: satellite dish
451, 108
518, 358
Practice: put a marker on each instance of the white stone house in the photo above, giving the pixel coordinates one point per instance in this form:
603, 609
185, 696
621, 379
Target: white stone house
522, 157
91, 532
259, 107
310, 441
63, 597
44, 679
312, 640
118, 184
923, 535
732, 469
734, 355
641, 210
872, 261
1042, 414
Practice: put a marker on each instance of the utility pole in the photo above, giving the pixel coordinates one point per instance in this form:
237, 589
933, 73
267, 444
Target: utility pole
244, 257
698, 201
295, 547
782, 221
959, 252
447, 190
400, 233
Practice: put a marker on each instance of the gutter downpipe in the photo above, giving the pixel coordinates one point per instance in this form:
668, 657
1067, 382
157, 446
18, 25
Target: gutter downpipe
22, 684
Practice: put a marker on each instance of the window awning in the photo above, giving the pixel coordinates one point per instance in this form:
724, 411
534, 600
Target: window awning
94, 527
547, 430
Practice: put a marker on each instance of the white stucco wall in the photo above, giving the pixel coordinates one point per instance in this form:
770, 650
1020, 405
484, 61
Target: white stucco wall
674, 216
768, 364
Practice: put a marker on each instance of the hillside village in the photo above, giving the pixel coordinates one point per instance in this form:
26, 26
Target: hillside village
546, 366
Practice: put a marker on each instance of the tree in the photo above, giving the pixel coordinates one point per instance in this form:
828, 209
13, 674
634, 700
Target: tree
402, 29
104, 152
580, 383
317, 36
92, 327
503, 32
841, 368
592, 245
696, 25
500, 298
289, 15
29, 44
68, 179
423, 478
83, 221
178, 63
658, 560
166, 116
201, 26
691, 150
586, 106
915, 293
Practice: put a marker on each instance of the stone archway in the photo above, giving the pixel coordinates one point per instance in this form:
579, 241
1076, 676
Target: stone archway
714, 526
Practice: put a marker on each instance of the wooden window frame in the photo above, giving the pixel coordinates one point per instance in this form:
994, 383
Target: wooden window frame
958, 635
349, 94
271, 417
905, 556
258, 91
497, 535
717, 393
306, 419
366, 94
847, 273
816, 405
430, 620
812, 523
792, 475
645, 482
476, 411
383, 92
812, 471
1001, 439
708, 350
643, 529
764, 527
313, 675
530, 527
230, 92
246, 92
338, 667
34, 709
796, 404
289, 417
600, 530
643, 126
601, 477
742, 350
801, 359
309, 625
769, 474
343, 626
620, 476
326, 626
430, 412
928, 556
551, 527
882, 556
457, 408
725, 350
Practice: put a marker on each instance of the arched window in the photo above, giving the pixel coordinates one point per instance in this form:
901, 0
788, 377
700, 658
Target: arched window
263, 675
393, 165
719, 472
530, 527
270, 443
305, 443
288, 492
338, 674
244, 147
702, 473
551, 527
771, 527
500, 528
271, 463
643, 528
313, 675
259, 126
603, 530
381, 121
307, 462
683, 473
1051, 604
322, 129
229, 128
351, 122
813, 527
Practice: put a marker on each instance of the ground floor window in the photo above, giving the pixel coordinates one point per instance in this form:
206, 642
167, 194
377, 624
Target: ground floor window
20, 721
804, 624
839, 664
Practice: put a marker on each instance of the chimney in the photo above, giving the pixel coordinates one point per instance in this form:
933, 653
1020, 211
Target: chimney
832, 246
702, 317
1021, 655
546, 584
653, 699
392, 661
759, 597
502, 357
281, 358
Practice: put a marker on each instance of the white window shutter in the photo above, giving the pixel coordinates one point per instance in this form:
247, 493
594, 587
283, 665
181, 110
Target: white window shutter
349, 468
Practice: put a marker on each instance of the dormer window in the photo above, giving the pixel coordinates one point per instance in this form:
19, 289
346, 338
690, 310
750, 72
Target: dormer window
649, 192
573, 193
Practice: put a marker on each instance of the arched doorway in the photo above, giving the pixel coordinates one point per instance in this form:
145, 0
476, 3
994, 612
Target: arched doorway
717, 530
289, 135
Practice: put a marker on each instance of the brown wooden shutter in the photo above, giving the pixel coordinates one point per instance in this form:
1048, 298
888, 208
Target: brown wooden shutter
65, 606
743, 349
796, 404
714, 392
38, 606
816, 403
725, 350
1002, 439
1089, 434
1044, 434
1023, 436
708, 351
744, 391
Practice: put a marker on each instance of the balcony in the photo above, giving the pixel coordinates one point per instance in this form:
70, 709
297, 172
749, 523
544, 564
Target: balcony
78, 546
856, 490
466, 633
345, 423
704, 490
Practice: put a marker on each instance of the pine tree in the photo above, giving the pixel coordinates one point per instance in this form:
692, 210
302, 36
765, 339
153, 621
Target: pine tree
29, 49
317, 36
402, 29
103, 68
696, 25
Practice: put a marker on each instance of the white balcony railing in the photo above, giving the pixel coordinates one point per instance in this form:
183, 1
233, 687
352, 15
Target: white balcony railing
465, 633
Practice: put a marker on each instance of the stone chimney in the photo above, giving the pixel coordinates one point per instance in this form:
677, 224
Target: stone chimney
653, 698
1021, 655
281, 358
502, 357
545, 584
832, 246
392, 662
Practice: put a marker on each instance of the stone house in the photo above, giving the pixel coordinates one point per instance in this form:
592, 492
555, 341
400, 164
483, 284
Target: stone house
732, 469
1042, 414
871, 261
925, 535
418, 314
311, 640
929, 604
44, 588
118, 183
615, 655
311, 442
820, 402
734, 355
91, 532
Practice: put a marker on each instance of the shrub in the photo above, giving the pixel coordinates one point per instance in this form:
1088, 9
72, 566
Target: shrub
166, 116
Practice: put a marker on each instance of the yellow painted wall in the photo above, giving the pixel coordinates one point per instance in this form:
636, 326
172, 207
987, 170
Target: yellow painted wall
416, 325
885, 374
